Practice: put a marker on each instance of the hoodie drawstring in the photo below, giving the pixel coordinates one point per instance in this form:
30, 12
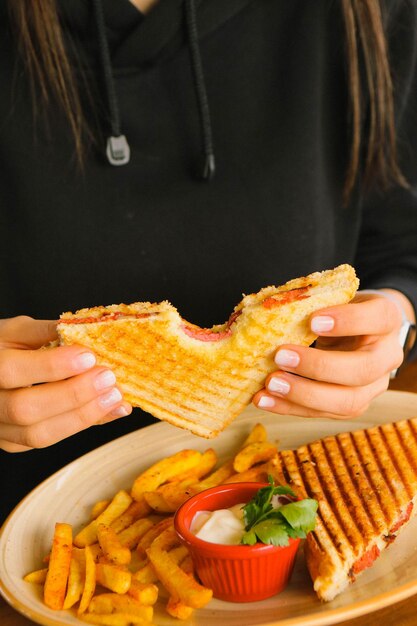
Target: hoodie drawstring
209, 165
117, 150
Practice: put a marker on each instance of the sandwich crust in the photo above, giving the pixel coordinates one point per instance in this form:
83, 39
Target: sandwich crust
201, 379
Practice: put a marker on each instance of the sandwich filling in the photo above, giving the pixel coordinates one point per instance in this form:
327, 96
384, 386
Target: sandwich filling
106, 317
222, 332
211, 334
285, 297
367, 559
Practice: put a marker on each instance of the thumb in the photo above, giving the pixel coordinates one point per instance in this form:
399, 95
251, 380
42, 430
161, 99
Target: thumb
26, 332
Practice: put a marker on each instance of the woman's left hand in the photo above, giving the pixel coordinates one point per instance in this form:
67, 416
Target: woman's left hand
349, 365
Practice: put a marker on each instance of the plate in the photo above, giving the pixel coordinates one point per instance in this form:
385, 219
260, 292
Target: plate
68, 495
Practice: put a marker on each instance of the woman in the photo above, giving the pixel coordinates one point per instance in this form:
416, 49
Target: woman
192, 151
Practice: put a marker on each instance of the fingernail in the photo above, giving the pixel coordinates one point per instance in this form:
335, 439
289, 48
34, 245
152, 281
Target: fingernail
121, 411
322, 324
110, 398
104, 380
265, 402
287, 358
84, 361
278, 385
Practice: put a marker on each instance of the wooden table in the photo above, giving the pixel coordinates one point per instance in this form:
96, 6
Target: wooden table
401, 614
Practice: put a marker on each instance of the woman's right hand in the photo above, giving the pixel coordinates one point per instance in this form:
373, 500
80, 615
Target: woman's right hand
49, 394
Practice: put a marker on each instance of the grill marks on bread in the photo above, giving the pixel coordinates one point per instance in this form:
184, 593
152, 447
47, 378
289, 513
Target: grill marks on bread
364, 482
188, 380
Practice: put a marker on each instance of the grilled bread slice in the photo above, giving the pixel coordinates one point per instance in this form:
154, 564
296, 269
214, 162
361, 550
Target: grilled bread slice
201, 379
366, 486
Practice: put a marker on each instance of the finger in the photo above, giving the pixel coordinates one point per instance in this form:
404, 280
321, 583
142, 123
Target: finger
20, 368
357, 368
26, 332
371, 316
281, 406
54, 429
339, 400
12, 447
33, 404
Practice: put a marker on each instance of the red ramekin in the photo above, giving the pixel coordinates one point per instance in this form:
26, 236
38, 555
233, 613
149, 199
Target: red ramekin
235, 573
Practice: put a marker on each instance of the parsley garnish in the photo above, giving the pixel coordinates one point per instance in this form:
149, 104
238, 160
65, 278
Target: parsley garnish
275, 526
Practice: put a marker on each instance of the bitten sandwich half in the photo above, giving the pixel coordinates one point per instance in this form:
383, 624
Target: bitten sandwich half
366, 486
197, 378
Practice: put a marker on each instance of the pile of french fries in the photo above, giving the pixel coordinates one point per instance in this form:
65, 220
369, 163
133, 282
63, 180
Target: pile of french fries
128, 556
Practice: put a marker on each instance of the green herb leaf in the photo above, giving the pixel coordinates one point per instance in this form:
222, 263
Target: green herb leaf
275, 526
284, 490
249, 538
271, 531
300, 515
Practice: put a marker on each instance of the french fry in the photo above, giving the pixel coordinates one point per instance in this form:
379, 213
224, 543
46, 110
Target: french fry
38, 576
79, 553
89, 581
166, 540
164, 470
146, 574
135, 511
253, 453
113, 577
207, 462
175, 607
170, 490
130, 536
146, 540
178, 609
257, 434
76, 579
179, 584
170, 496
96, 551
98, 508
59, 566
116, 603
102, 549
187, 565
173, 498
216, 478
115, 619
257, 473
117, 506
144, 593
157, 502
112, 548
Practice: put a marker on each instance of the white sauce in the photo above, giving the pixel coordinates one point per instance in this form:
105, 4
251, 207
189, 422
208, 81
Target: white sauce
224, 526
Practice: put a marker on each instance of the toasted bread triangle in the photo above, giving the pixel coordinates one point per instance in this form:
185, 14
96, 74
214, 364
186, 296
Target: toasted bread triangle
366, 485
201, 379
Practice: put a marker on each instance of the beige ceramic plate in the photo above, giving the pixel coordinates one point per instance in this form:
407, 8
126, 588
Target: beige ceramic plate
68, 496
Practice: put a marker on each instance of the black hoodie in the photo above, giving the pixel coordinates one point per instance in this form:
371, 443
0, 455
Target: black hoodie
274, 73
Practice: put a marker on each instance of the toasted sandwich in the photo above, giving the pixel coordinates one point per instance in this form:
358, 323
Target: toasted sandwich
366, 485
198, 378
